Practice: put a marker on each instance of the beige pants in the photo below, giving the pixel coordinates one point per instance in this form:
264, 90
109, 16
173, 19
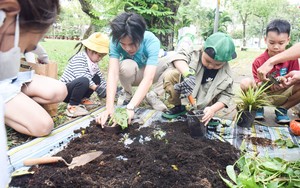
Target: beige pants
172, 76
131, 75
280, 97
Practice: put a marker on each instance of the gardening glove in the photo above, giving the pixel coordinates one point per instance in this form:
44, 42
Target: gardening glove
101, 90
185, 88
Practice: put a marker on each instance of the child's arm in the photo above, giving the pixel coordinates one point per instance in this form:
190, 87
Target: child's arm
210, 111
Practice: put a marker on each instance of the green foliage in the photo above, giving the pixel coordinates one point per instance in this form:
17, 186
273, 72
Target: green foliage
155, 13
120, 117
254, 98
70, 23
253, 171
285, 143
237, 34
224, 20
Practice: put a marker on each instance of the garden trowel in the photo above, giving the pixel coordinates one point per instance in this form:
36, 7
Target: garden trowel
192, 101
76, 161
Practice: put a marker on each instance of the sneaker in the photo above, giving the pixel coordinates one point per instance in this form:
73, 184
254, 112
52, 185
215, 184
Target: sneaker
76, 110
124, 98
119, 91
155, 102
281, 115
259, 115
88, 104
174, 112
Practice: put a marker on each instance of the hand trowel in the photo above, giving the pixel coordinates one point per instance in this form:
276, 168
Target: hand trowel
76, 161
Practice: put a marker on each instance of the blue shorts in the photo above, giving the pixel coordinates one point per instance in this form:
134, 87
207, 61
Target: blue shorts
9, 88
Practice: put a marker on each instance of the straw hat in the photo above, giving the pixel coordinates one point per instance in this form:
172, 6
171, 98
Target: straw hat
97, 42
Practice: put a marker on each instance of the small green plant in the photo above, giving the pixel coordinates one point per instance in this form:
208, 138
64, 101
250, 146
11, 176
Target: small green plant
120, 117
159, 134
285, 143
253, 171
253, 99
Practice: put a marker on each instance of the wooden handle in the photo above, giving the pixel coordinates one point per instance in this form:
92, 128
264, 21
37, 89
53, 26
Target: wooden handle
192, 100
42, 160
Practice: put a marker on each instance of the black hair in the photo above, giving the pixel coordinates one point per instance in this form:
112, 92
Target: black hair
80, 45
279, 26
38, 15
210, 52
128, 24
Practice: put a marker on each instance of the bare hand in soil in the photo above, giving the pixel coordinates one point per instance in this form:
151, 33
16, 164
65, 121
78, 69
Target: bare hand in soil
130, 116
103, 117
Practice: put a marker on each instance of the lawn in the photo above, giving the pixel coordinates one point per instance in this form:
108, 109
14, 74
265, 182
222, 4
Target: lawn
60, 51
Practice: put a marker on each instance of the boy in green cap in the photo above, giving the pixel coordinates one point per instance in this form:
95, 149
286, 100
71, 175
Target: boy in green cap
203, 73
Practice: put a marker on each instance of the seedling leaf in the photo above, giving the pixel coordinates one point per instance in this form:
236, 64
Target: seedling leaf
231, 173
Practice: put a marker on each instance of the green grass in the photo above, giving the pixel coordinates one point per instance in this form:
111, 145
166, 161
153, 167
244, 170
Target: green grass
246, 56
60, 52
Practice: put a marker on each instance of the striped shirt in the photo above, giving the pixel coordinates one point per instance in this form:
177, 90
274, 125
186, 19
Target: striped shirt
78, 67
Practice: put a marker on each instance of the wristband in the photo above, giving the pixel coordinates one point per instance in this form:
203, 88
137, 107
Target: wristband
188, 73
130, 107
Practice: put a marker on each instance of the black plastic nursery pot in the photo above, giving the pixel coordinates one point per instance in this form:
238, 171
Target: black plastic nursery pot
246, 119
196, 127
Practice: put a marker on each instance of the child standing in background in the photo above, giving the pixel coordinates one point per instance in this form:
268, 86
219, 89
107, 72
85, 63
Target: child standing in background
82, 75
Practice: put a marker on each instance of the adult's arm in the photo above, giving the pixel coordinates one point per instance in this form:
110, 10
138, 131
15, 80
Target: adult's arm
41, 53
112, 81
289, 54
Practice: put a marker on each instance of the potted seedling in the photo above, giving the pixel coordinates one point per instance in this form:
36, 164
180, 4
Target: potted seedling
197, 128
249, 101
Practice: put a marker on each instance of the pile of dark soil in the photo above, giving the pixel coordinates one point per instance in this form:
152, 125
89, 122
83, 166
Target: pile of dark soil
176, 160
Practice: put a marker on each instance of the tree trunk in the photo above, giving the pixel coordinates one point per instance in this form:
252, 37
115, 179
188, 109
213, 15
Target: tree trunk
87, 8
167, 39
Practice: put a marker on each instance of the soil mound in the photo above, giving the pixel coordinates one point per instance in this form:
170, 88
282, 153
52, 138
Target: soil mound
151, 160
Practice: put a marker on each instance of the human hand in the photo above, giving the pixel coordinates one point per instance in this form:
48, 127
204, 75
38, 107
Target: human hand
103, 117
263, 70
130, 114
41, 61
208, 114
277, 87
292, 78
101, 91
185, 88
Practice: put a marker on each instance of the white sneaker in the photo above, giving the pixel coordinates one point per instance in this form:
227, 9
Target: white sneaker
155, 102
124, 98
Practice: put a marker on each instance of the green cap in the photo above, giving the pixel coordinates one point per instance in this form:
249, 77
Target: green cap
224, 49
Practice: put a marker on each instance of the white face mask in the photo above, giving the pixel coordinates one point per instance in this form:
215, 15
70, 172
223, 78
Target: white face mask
10, 60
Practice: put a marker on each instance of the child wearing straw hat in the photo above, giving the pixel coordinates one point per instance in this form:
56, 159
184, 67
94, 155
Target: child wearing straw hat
82, 75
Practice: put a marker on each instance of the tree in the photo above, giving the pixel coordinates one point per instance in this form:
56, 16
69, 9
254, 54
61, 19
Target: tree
258, 13
224, 19
245, 10
159, 15
100, 12
263, 12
